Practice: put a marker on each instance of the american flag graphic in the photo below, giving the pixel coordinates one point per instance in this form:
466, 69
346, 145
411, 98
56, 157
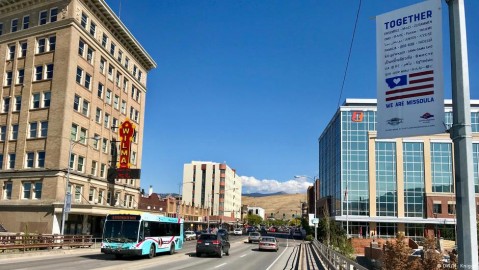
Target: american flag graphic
411, 85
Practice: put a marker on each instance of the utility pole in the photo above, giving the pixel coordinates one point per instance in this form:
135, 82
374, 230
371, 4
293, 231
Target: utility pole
461, 135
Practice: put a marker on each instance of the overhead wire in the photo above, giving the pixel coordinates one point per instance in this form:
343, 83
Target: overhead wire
349, 54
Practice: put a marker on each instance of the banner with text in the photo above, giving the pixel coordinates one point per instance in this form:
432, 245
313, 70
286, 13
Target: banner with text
410, 88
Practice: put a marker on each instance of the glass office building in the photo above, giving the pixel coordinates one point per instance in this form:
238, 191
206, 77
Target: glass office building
381, 187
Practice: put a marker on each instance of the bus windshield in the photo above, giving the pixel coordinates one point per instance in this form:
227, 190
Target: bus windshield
121, 231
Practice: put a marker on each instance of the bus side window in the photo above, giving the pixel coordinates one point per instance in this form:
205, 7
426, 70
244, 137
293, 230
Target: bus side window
147, 229
141, 236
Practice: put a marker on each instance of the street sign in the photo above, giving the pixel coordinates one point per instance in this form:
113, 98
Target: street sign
410, 88
315, 221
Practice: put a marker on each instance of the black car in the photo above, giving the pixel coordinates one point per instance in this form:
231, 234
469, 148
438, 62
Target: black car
223, 233
209, 243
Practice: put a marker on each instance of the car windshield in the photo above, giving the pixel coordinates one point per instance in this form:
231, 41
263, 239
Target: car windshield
254, 234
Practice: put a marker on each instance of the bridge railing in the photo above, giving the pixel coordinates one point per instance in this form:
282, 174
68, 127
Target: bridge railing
335, 260
43, 241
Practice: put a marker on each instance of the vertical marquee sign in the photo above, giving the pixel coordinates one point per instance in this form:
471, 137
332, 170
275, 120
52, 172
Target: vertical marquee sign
410, 88
127, 130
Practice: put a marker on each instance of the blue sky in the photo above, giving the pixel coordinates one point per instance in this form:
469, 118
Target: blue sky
254, 83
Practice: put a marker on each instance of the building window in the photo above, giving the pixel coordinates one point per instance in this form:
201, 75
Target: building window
81, 48
125, 85
87, 81
20, 76
451, 208
14, 132
111, 70
39, 72
101, 88
37, 190
106, 120
102, 65
91, 195
49, 74
101, 193
102, 170
84, 20
7, 190
98, 115
53, 14
83, 135
14, 25
104, 40
95, 142
30, 158
89, 55
46, 99
437, 208
43, 17
3, 133
86, 108
35, 100
116, 102
441, 167
413, 169
6, 104
41, 159
78, 193
43, 129
79, 75
8, 78
72, 161
104, 146
74, 132
26, 22
112, 48
386, 179
27, 190
123, 107
46, 44
94, 166
118, 79
92, 28
23, 49
108, 96
18, 104
127, 63
11, 51
115, 125
80, 165
1, 29
76, 103
120, 55
33, 130
133, 157
11, 161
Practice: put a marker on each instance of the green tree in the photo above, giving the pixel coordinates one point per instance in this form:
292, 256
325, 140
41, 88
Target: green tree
254, 220
396, 255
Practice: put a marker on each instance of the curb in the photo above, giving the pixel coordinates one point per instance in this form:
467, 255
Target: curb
50, 252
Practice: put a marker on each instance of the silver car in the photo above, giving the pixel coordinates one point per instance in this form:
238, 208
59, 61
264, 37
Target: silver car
254, 237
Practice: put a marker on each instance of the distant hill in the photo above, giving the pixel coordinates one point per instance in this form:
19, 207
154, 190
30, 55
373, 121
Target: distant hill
278, 204
263, 194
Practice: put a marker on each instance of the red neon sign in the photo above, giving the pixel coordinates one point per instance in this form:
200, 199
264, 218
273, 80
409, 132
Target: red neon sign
127, 129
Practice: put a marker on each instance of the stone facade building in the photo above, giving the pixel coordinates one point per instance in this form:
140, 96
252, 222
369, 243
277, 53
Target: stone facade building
70, 71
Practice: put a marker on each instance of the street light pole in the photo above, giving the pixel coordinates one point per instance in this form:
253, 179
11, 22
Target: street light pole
67, 193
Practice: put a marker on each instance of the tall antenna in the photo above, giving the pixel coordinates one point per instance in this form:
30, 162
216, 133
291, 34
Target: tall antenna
119, 10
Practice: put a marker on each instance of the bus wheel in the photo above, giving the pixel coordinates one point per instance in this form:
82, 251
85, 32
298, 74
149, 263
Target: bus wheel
152, 252
172, 249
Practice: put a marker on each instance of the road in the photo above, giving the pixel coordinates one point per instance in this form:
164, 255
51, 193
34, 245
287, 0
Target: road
242, 256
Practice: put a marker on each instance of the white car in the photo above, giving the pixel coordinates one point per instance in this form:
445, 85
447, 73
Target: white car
190, 235
238, 231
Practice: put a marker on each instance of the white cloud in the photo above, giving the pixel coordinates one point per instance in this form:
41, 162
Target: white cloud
297, 185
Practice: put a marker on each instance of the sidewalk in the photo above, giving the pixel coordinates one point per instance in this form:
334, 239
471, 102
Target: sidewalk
48, 252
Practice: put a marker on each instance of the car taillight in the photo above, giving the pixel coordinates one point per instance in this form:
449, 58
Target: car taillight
216, 242
199, 242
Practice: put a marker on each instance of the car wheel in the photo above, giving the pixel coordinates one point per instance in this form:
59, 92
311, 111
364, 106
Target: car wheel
227, 252
172, 249
220, 254
249, 241
152, 252
198, 254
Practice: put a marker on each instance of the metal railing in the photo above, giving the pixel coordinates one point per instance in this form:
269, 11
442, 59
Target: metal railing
44, 241
334, 260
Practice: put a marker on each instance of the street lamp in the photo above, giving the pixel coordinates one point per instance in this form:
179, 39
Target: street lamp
315, 200
67, 193
180, 185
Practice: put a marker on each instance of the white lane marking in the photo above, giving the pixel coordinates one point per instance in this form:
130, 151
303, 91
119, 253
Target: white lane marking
243, 255
220, 265
271, 265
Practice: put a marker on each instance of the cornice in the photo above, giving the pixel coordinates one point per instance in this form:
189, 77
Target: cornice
109, 19
10, 7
